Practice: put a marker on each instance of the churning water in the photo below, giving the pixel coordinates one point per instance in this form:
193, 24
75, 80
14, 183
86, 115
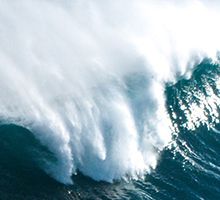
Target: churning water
109, 99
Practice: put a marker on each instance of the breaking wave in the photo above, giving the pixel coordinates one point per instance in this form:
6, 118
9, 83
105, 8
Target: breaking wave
89, 79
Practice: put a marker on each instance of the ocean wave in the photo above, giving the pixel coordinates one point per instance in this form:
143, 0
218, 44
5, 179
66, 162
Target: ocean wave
88, 79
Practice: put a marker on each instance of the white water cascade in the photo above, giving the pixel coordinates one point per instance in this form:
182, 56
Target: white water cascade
87, 77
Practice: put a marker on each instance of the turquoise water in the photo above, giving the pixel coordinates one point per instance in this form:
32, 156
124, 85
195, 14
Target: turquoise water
188, 168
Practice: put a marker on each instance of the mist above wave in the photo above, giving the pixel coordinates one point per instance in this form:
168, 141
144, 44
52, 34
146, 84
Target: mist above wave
88, 77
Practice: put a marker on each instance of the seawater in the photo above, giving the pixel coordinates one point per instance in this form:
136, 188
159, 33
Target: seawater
99, 103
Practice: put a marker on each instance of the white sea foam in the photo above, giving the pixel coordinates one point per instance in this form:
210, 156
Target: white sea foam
87, 77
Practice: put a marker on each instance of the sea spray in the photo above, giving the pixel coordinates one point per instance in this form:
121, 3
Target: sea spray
87, 78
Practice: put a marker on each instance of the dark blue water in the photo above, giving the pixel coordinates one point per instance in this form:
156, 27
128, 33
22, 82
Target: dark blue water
189, 168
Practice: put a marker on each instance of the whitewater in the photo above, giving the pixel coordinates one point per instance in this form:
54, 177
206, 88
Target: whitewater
87, 78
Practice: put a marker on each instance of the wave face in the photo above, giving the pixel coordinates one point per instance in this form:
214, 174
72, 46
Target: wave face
88, 79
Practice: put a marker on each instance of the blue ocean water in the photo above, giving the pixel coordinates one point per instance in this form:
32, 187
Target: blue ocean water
188, 167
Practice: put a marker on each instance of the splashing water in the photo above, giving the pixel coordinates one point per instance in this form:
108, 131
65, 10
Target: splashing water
87, 78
